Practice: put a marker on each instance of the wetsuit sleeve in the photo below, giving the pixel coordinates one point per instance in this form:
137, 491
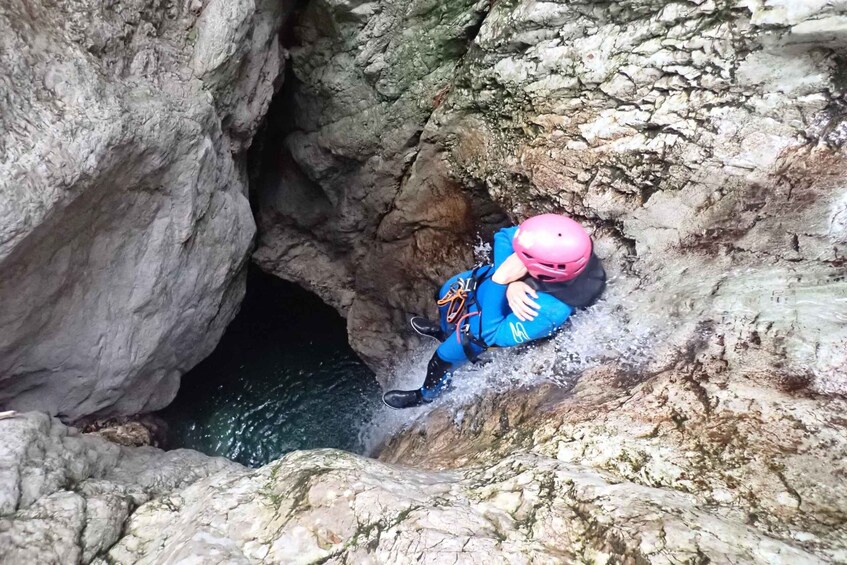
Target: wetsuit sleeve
503, 244
501, 328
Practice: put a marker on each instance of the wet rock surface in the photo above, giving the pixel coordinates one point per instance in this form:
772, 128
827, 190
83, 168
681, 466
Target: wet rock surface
703, 143
124, 222
739, 450
700, 141
613, 472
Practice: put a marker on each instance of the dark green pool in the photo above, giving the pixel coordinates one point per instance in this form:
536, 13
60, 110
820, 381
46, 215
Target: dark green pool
282, 378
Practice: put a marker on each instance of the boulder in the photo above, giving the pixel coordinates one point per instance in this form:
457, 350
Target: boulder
64, 496
124, 220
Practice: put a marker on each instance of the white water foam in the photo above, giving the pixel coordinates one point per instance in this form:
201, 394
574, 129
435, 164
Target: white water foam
599, 334
482, 252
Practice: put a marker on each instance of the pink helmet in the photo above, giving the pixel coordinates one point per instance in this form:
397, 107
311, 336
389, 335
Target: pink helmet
553, 247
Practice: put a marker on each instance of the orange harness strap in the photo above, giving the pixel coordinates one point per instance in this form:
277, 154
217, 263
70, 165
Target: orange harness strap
455, 299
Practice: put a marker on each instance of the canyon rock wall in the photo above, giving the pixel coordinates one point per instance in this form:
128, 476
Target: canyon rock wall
341, 154
700, 141
124, 220
698, 412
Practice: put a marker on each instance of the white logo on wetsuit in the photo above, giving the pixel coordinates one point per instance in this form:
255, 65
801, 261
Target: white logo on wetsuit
518, 332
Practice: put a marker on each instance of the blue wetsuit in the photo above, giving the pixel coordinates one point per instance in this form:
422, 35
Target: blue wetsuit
497, 326
485, 319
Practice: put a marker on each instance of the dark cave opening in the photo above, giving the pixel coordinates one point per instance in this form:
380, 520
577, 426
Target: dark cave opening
282, 378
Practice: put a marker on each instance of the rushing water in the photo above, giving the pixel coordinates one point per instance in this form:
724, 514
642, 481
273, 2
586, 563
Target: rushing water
603, 333
282, 378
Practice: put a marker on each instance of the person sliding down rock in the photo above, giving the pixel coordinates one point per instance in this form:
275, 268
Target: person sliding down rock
543, 270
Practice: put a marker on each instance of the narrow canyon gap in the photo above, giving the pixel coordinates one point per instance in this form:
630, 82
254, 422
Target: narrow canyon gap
282, 378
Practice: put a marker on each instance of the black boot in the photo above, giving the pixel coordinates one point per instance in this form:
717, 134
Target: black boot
403, 398
428, 328
437, 378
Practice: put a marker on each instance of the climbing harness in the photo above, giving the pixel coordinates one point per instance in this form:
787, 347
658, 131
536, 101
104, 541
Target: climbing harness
458, 300
455, 299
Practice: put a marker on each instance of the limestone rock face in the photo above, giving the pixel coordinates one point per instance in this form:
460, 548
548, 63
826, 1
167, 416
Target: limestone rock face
64, 497
614, 473
124, 222
340, 155
700, 141
698, 412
